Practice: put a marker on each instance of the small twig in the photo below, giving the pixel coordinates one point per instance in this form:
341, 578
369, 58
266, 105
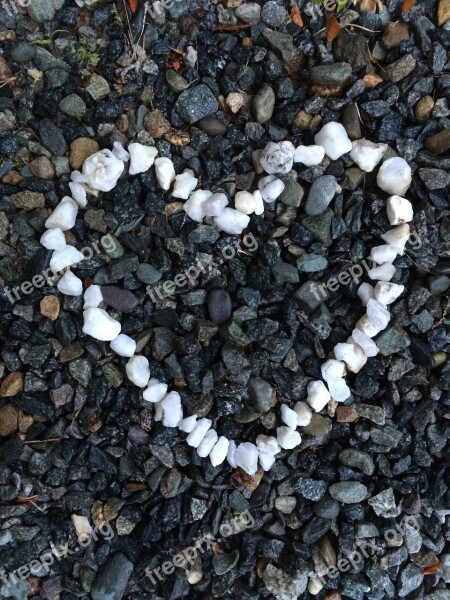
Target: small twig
230, 27
43, 441
361, 27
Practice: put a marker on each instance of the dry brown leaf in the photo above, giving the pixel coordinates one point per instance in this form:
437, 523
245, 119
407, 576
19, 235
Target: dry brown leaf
296, 15
333, 27
133, 5
407, 5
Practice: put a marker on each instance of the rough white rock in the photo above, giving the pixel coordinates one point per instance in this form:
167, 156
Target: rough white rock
288, 438
68, 256
288, 416
184, 185
53, 239
386, 293
271, 188
123, 345
232, 221
304, 414
246, 457
378, 314
165, 172
195, 206
367, 327
219, 453
99, 325
383, 272
70, 284
77, 177
318, 395
64, 215
266, 461
397, 237
78, 194
245, 203
309, 155
137, 369
198, 433
399, 210
334, 140
353, 356
339, 390
93, 297
191, 56
366, 154
267, 444
155, 391
383, 254
277, 157
172, 410
259, 202
188, 424
207, 443
332, 369
141, 158
102, 170
231, 454
120, 152
360, 338
394, 176
215, 204
365, 293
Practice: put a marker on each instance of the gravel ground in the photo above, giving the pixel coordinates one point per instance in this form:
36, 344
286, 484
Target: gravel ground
369, 484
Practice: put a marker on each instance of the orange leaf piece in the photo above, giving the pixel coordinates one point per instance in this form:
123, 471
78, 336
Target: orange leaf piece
133, 5
296, 15
333, 27
431, 570
407, 5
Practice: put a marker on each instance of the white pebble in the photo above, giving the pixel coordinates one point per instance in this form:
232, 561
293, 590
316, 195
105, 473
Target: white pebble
53, 239
383, 272
198, 433
184, 185
397, 237
93, 297
78, 194
120, 152
64, 215
82, 526
259, 202
365, 293
207, 443
334, 140
386, 293
123, 345
159, 413
304, 414
68, 256
245, 203
378, 314
165, 172
155, 391
339, 390
353, 356
188, 424
288, 416
318, 395
383, 254
369, 346
332, 369
232, 221
70, 284
288, 438
366, 154
367, 327
219, 453
399, 210
271, 188
309, 155
266, 461
195, 206
215, 204
394, 176
277, 157
77, 177
102, 170
191, 56
172, 410
137, 369
141, 158
231, 454
267, 444
246, 457
99, 325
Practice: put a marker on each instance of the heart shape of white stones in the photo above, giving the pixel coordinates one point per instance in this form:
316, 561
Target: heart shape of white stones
101, 171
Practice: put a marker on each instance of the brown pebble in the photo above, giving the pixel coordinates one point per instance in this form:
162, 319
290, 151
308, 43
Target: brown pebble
251, 482
212, 126
8, 420
50, 307
332, 596
302, 120
401, 68
393, 34
12, 385
156, 124
12, 178
41, 167
80, 150
325, 90
371, 80
346, 414
439, 142
423, 109
443, 13
178, 138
